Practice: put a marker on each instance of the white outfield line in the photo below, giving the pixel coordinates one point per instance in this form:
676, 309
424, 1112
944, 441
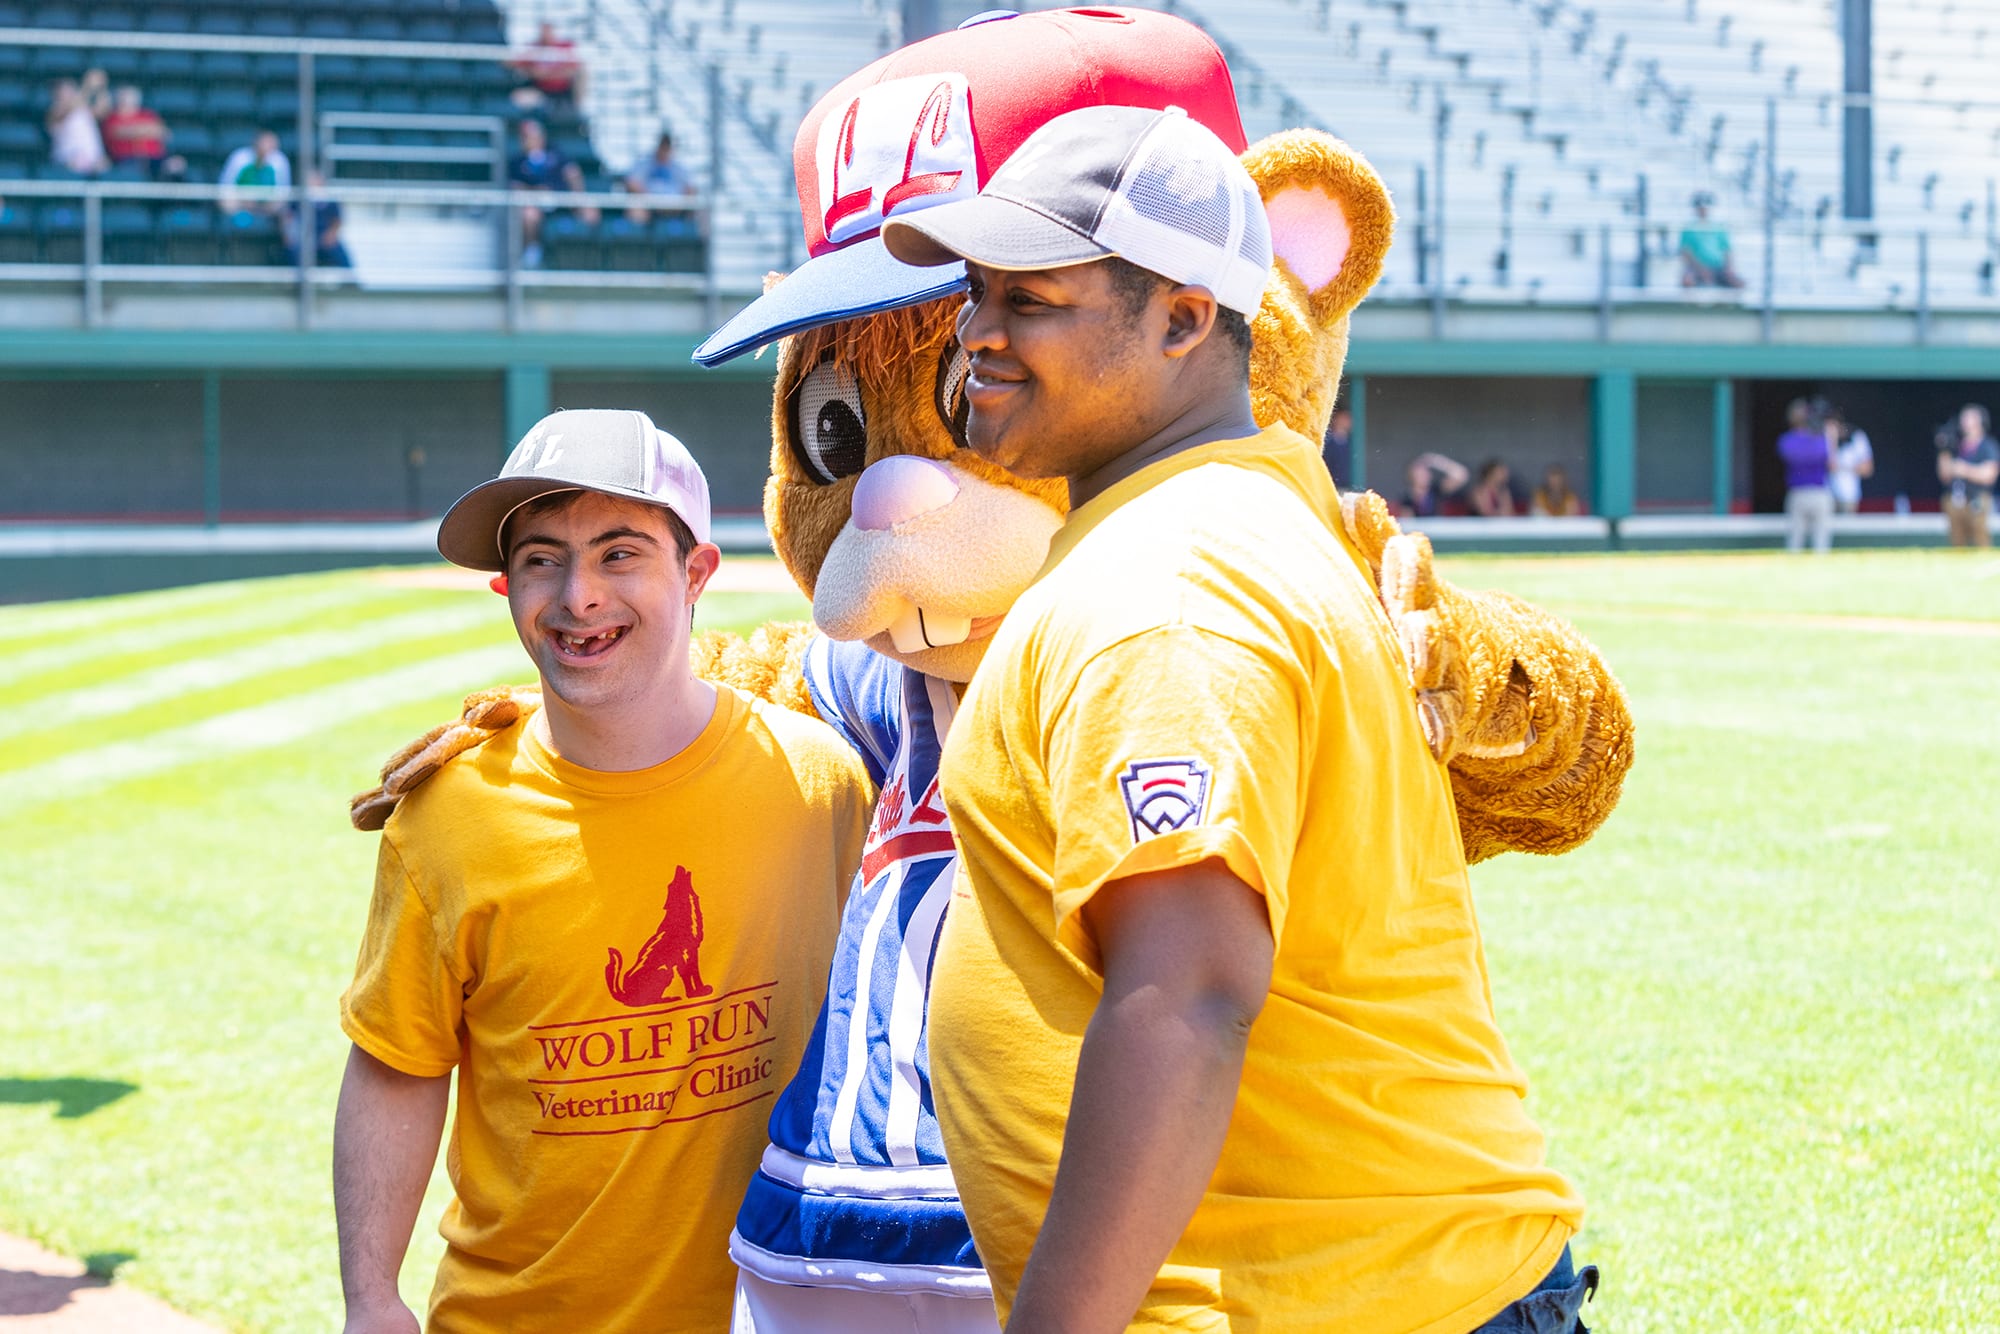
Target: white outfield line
278, 609
264, 727
157, 685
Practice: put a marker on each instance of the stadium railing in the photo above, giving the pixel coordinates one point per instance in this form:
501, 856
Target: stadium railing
91, 272
306, 128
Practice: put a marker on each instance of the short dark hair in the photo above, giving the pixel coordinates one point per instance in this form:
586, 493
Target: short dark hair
555, 502
1135, 287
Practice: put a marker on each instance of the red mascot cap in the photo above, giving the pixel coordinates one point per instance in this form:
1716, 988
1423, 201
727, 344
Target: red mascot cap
929, 123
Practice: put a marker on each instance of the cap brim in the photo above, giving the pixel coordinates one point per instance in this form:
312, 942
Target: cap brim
991, 231
860, 278
469, 533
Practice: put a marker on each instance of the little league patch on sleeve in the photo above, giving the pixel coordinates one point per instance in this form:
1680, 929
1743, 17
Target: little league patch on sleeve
1164, 795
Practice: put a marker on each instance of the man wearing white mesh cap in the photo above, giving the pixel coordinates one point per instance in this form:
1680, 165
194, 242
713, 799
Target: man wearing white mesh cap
1211, 1036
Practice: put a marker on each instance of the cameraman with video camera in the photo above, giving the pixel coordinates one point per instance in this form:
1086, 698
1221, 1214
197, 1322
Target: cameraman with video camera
1968, 466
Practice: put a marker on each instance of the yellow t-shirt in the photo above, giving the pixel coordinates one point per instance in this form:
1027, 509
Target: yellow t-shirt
624, 968
1201, 670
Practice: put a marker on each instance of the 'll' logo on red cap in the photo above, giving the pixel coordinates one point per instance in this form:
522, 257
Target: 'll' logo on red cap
904, 144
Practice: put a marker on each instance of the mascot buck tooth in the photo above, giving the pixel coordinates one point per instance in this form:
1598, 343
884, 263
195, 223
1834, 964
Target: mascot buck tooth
912, 548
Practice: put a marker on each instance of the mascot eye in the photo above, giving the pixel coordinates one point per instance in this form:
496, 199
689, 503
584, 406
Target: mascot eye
829, 425
953, 367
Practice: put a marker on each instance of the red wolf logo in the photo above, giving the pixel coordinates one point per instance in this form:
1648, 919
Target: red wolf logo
674, 950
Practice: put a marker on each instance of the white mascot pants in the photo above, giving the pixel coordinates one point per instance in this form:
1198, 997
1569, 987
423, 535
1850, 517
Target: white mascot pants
764, 1307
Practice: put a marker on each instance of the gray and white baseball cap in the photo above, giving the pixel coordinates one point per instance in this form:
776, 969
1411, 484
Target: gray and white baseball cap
615, 452
1155, 188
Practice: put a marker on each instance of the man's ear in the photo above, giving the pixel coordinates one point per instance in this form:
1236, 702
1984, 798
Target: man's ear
701, 565
1331, 219
1191, 315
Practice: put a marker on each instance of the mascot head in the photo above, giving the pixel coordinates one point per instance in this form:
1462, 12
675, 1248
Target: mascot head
899, 533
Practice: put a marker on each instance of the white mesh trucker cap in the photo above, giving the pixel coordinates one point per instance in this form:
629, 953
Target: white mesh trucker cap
584, 449
1152, 187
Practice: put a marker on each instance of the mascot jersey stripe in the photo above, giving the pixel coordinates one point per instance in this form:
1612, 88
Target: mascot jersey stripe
854, 1190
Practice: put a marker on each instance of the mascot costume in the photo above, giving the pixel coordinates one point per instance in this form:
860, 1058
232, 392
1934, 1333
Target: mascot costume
912, 548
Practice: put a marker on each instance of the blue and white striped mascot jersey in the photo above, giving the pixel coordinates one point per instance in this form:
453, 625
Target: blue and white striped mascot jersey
853, 1191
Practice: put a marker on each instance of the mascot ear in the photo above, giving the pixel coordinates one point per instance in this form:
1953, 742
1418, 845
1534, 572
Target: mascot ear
1331, 219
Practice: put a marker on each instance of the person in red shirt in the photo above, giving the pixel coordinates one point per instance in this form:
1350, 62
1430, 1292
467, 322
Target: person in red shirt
551, 73
134, 132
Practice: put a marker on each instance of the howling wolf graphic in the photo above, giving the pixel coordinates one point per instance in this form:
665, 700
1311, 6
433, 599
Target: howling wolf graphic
674, 950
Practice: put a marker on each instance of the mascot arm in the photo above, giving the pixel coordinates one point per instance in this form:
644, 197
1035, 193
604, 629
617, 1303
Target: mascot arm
1533, 725
768, 664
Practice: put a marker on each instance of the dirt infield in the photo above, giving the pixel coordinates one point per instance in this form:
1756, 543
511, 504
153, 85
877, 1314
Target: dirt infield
43, 1291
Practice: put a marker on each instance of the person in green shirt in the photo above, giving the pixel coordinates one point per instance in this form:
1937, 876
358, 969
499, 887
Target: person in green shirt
1704, 248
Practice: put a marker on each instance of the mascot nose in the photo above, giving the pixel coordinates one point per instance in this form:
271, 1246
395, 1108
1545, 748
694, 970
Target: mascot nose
900, 488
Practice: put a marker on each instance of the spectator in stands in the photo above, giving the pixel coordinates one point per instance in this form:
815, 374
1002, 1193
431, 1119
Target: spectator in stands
539, 167
1429, 479
552, 75
329, 253
134, 132
1969, 469
75, 143
258, 163
1704, 246
1338, 447
1853, 459
1553, 499
663, 174
1808, 459
1492, 497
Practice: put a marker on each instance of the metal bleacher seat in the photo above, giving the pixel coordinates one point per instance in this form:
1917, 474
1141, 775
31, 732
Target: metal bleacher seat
17, 234
229, 101
21, 137
161, 65
222, 23
59, 232
128, 233
186, 234
166, 18
55, 62
121, 64
175, 101
231, 66
277, 102
250, 238
429, 28
327, 25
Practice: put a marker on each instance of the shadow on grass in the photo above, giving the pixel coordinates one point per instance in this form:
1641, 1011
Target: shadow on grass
73, 1097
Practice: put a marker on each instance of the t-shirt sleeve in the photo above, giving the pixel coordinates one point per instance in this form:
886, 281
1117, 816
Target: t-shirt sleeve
1177, 745
405, 1004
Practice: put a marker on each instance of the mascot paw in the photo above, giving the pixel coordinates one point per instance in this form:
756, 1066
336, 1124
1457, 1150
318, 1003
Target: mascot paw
485, 712
1463, 712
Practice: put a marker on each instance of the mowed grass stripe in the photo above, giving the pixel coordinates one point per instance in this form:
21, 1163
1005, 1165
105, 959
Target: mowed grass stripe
174, 680
23, 752
39, 620
277, 608
262, 727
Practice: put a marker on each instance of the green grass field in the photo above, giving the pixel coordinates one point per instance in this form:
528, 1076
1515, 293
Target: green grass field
1761, 1010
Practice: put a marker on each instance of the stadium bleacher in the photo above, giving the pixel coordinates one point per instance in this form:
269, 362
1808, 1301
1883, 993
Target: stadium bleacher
1541, 150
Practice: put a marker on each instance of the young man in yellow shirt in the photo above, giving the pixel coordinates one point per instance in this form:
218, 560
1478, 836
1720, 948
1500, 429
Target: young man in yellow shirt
612, 919
1211, 1033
